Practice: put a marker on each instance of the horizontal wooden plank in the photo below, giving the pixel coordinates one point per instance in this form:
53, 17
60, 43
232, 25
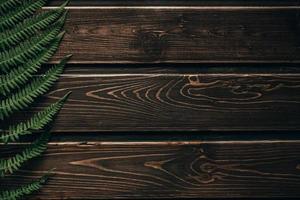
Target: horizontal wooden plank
166, 170
181, 34
176, 2
157, 100
174, 136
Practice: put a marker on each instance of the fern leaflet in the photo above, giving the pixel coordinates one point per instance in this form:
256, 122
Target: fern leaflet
37, 122
23, 190
27, 41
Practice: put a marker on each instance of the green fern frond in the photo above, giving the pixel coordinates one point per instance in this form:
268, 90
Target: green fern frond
27, 41
20, 13
25, 96
17, 77
9, 165
24, 190
37, 122
6, 5
30, 27
25, 51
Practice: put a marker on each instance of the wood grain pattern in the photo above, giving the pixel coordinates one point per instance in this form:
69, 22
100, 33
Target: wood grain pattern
181, 34
176, 131
177, 2
166, 170
154, 100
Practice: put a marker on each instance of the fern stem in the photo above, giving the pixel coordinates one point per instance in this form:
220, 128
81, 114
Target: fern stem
30, 27
37, 122
24, 97
6, 5
35, 149
21, 12
27, 189
22, 74
23, 53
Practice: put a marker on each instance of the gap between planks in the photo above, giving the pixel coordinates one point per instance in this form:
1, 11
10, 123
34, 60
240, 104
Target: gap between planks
181, 74
179, 7
162, 143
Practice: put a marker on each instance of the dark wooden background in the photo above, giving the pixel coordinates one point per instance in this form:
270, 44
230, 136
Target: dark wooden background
175, 99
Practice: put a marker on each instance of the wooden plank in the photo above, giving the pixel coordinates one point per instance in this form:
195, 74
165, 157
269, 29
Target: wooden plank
175, 34
177, 2
130, 99
232, 169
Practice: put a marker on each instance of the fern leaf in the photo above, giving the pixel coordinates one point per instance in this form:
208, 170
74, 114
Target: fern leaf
25, 96
27, 41
37, 122
25, 51
6, 5
30, 27
20, 13
10, 165
17, 77
24, 190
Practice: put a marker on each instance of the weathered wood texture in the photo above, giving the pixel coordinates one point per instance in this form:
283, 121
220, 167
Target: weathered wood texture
177, 2
123, 102
158, 170
153, 100
182, 34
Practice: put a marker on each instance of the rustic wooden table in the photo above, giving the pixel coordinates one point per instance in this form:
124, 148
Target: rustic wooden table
196, 99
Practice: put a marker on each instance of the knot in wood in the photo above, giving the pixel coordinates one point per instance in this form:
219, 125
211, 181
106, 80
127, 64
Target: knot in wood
152, 44
208, 167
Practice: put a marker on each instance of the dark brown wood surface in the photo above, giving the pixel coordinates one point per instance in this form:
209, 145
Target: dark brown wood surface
177, 2
182, 34
141, 99
146, 120
164, 169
